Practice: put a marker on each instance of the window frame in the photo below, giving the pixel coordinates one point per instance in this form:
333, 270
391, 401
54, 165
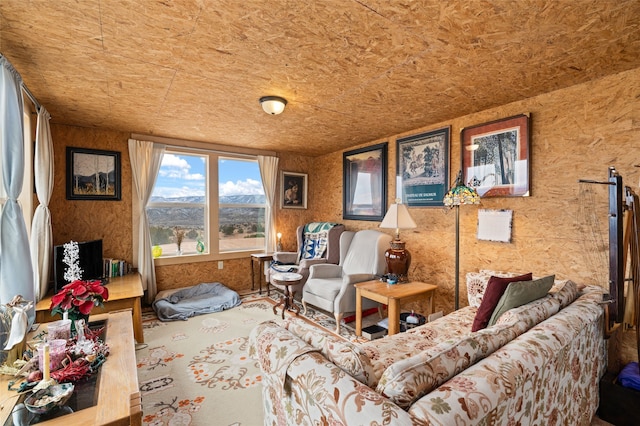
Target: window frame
212, 206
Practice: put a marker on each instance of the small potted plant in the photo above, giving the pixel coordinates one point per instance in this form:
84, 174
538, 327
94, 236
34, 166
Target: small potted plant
78, 298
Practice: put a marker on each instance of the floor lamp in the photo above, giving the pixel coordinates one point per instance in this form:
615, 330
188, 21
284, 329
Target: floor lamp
457, 195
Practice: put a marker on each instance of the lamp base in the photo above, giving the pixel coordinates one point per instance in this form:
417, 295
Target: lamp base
398, 260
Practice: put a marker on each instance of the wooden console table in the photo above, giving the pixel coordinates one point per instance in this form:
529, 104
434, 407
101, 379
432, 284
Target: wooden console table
391, 295
124, 293
118, 400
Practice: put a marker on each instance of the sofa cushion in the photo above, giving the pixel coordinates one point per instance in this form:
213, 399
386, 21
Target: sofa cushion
496, 287
344, 354
564, 291
477, 283
409, 379
520, 293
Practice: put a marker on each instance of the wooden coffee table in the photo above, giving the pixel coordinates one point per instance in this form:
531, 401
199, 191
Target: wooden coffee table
391, 295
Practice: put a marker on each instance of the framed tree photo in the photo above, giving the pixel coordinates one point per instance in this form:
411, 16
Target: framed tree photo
423, 168
364, 189
495, 157
93, 174
294, 190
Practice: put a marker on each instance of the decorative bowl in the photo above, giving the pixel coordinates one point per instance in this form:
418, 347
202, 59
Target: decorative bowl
45, 400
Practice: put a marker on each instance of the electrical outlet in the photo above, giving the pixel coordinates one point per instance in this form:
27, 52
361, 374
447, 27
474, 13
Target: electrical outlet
220, 264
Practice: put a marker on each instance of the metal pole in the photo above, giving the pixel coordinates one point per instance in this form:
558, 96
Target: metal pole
457, 289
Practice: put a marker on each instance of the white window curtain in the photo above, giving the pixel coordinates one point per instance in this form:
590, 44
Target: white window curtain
145, 160
41, 232
269, 174
16, 274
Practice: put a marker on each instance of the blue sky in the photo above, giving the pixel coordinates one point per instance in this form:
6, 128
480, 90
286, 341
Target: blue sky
184, 175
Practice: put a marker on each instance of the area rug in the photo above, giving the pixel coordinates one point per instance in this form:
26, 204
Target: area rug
197, 372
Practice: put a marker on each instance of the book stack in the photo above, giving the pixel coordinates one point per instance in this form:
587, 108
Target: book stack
115, 267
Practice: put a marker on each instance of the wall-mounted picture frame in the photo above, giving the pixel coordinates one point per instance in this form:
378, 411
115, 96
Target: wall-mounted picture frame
294, 190
93, 174
364, 180
495, 157
422, 176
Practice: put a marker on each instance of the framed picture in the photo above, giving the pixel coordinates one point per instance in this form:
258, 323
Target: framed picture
364, 179
294, 190
495, 157
423, 168
93, 174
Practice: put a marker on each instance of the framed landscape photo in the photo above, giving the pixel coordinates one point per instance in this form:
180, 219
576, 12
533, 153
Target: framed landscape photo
423, 168
495, 157
294, 190
364, 183
93, 174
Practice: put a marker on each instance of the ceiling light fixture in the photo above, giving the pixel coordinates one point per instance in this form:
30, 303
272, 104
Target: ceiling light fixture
273, 105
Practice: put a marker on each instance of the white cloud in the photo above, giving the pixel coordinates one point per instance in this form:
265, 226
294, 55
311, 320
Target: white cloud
175, 167
246, 187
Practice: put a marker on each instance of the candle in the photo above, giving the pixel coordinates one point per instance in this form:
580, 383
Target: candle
45, 373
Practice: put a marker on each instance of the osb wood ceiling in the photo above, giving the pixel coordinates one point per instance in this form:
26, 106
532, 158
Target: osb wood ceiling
352, 70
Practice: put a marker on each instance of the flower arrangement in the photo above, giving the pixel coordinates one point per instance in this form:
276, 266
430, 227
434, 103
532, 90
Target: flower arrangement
78, 298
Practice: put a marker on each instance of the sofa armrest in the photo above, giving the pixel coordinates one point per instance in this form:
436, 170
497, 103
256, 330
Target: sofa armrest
287, 257
325, 270
330, 393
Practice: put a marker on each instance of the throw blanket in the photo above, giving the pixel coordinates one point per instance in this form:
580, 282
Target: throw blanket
197, 300
316, 237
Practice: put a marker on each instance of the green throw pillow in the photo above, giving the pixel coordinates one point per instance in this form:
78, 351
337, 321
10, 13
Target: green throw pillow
520, 293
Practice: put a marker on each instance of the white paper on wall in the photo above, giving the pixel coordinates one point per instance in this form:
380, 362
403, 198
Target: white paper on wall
495, 225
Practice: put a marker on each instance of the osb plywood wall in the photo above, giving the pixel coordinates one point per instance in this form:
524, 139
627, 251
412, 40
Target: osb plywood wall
576, 133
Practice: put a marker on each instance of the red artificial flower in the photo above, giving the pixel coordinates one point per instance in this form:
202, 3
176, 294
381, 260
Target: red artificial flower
79, 297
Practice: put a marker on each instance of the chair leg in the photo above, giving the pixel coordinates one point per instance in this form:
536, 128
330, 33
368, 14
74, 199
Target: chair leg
304, 305
338, 316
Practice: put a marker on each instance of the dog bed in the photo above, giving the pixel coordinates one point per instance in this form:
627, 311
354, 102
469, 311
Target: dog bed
200, 299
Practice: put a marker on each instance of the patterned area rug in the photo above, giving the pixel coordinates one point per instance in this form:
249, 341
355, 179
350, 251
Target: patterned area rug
197, 372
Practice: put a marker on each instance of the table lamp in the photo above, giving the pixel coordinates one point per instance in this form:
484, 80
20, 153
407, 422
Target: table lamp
457, 195
397, 257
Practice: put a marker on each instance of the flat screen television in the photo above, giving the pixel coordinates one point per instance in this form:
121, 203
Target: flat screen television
89, 260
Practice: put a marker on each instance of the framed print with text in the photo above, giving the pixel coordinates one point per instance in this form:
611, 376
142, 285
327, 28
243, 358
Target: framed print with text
495, 157
423, 168
364, 178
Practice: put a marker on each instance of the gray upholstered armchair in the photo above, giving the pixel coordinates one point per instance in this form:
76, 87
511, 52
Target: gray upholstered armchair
331, 287
310, 250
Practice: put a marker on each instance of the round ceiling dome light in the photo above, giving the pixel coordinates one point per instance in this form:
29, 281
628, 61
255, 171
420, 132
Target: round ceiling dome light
273, 105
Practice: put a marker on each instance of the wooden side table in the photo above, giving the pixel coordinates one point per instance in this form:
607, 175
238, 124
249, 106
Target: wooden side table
290, 281
391, 295
260, 258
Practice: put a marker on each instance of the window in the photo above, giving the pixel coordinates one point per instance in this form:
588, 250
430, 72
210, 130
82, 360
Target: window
212, 204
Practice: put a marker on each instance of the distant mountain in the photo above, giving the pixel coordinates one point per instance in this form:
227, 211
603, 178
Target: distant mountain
192, 218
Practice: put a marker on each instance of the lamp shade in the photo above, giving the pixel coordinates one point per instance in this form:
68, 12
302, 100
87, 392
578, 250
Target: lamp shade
273, 105
398, 217
460, 194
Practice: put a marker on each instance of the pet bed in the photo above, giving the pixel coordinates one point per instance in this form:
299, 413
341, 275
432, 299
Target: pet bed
200, 299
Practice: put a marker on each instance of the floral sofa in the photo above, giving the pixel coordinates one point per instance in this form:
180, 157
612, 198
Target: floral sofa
540, 363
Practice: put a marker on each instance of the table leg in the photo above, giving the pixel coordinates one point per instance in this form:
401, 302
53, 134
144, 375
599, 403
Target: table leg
260, 273
292, 303
358, 313
394, 316
138, 331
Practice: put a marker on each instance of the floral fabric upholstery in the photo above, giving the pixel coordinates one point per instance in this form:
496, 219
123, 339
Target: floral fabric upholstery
549, 376
344, 354
388, 350
533, 367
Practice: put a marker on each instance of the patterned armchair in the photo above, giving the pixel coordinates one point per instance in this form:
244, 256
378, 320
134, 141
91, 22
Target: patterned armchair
318, 242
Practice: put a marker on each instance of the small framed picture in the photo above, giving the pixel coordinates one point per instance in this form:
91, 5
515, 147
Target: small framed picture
93, 174
364, 186
423, 168
495, 157
294, 190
